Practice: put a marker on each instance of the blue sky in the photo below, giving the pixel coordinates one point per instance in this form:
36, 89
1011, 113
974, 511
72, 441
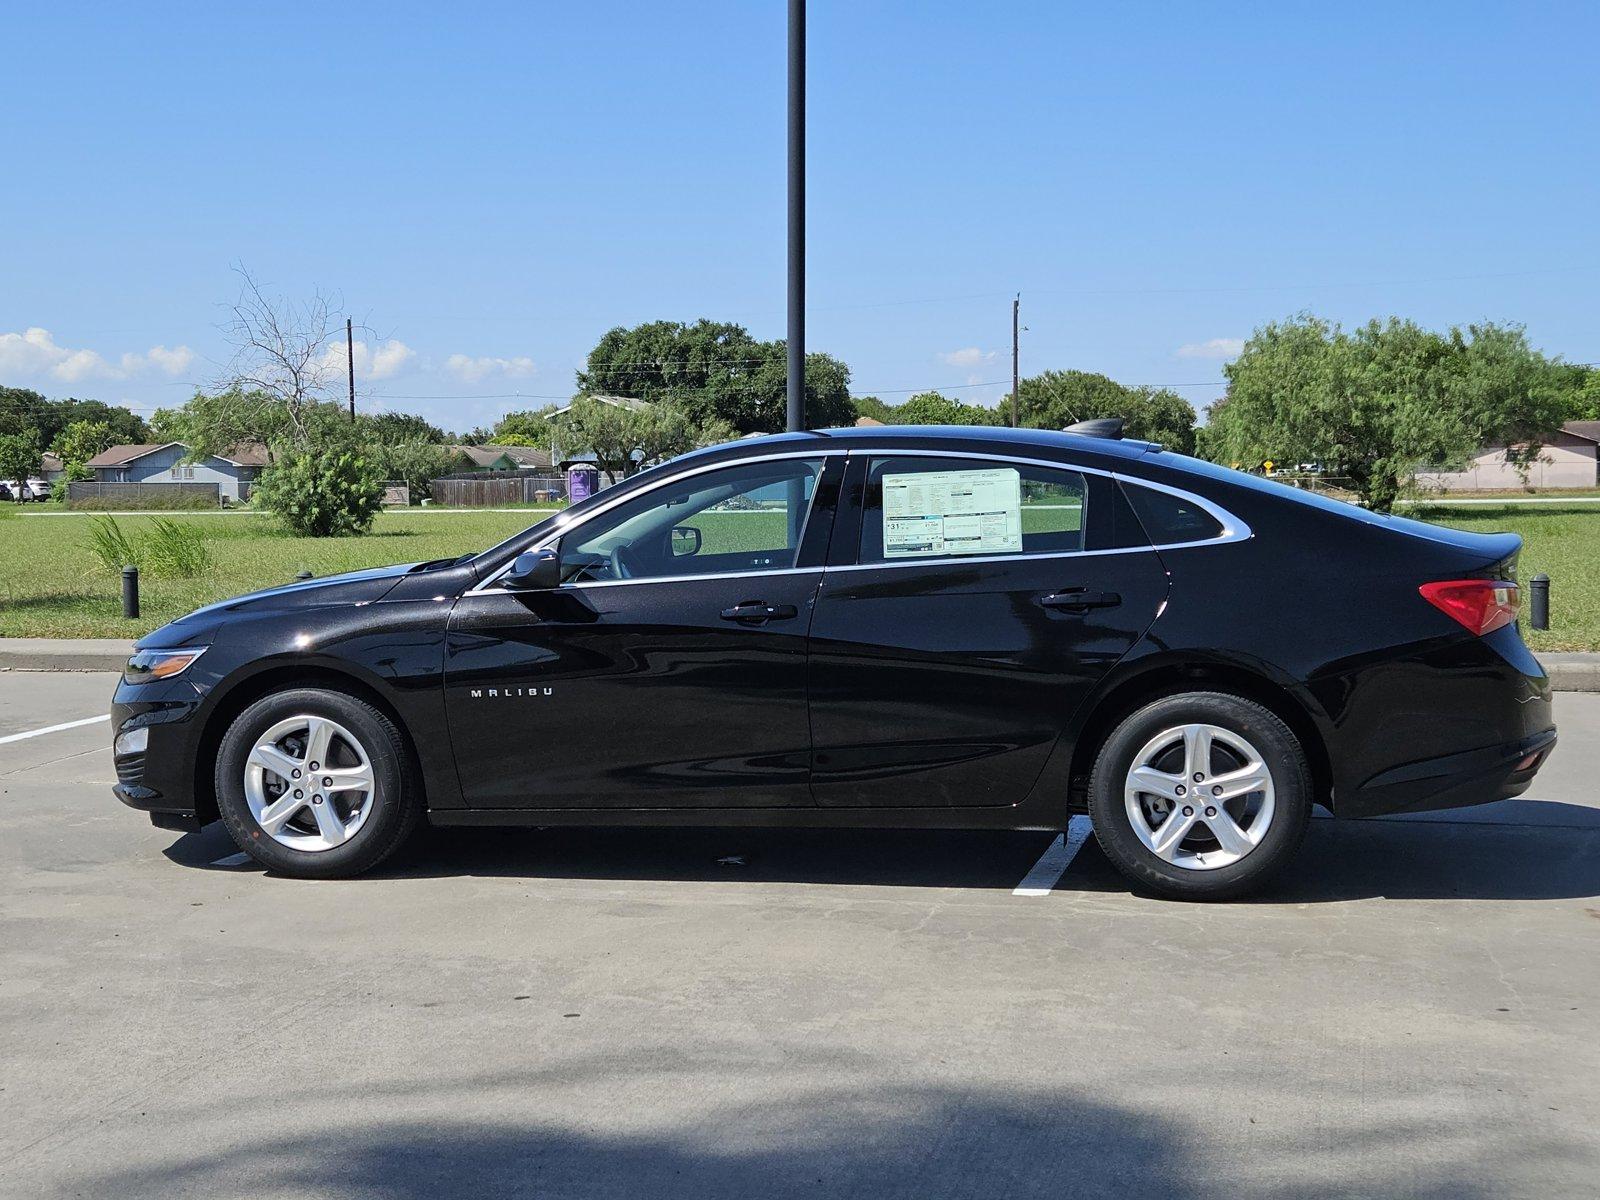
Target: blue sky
490, 187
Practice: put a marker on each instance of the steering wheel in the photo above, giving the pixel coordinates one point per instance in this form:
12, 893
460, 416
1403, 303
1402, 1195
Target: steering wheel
619, 568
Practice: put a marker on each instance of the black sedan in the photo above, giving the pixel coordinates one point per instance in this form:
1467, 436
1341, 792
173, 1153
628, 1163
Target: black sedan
887, 627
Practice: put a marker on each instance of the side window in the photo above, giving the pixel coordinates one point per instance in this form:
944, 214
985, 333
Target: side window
744, 518
920, 508
1168, 519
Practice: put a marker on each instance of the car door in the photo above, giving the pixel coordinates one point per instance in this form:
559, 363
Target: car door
668, 670
969, 606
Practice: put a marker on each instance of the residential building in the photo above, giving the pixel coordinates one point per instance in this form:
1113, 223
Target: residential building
1570, 458
163, 463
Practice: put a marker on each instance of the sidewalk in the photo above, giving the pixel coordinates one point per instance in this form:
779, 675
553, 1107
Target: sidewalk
1569, 671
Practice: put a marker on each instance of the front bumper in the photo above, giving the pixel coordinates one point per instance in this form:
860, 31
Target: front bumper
1453, 780
160, 779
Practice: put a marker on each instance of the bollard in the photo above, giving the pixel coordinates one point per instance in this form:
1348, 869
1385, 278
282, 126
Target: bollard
130, 591
301, 576
1539, 601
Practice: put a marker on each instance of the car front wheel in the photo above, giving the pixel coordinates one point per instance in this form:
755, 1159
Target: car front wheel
316, 783
1201, 796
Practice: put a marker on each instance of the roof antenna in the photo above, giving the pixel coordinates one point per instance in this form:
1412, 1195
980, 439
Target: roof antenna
1100, 427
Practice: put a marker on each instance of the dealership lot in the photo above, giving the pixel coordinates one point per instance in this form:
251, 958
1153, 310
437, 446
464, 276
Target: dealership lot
744, 1013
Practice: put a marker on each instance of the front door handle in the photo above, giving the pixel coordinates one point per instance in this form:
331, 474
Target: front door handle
759, 612
1080, 599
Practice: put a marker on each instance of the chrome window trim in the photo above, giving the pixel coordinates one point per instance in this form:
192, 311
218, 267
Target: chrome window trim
1233, 528
561, 530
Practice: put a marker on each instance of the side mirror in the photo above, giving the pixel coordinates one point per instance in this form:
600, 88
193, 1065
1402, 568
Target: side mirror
533, 571
685, 541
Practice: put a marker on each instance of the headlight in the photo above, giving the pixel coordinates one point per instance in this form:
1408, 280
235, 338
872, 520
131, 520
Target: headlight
146, 665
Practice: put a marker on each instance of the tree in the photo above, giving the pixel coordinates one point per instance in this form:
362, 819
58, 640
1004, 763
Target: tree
1583, 399
1056, 399
715, 369
871, 406
22, 408
284, 361
214, 423
395, 428
321, 494
933, 408
82, 440
1376, 404
415, 464
618, 435
20, 458
529, 428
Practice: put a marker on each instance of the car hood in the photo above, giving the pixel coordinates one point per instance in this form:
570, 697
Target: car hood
353, 587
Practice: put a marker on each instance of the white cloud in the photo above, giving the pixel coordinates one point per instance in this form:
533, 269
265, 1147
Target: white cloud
1215, 348
473, 370
372, 362
969, 357
36, 354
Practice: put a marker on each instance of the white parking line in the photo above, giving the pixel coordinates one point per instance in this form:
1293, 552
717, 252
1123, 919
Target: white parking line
1053, 863
33, 733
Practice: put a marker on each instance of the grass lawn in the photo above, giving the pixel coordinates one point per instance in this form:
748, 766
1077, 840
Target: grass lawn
52, 586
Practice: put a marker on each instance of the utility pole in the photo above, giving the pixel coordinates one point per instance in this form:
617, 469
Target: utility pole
797, 214
350, 357
1016, 305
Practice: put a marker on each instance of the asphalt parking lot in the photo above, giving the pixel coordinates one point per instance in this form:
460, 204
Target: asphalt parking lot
1416, 1012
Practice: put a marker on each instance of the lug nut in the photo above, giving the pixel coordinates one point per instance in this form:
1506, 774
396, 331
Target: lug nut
316, 799
1217, 791
327, 782
1187, 811
295, 773
1199, 778
1180, 789
313, 766
299, 795
1210, 812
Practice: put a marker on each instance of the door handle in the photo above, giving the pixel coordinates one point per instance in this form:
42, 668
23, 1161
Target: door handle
1080, 599
759, 612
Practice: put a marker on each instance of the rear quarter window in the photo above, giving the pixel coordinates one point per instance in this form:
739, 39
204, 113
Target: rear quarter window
1169, 520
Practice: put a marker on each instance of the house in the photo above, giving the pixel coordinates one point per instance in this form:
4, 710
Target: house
1570, 458
504, 458
51, 466
162, 463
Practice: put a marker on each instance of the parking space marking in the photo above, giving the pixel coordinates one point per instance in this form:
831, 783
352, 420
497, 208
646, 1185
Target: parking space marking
1053, 863
33, 733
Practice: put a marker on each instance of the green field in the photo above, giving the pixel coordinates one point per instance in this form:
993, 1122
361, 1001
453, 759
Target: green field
52, 586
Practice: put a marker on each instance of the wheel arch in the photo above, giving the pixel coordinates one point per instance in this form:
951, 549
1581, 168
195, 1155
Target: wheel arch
1173, 677
271, 679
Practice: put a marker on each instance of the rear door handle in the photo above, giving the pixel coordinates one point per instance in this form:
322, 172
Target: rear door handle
759, 612
1080, 599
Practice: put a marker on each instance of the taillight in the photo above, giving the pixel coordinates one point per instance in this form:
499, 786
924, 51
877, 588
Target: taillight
1480, 605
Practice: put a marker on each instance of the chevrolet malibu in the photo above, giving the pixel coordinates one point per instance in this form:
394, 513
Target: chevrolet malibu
887, 628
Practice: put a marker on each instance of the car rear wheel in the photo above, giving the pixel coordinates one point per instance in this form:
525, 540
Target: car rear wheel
316, 783
1201, 796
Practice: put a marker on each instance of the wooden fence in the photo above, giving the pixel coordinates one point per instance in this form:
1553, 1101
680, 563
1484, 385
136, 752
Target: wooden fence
493, 489
95, 494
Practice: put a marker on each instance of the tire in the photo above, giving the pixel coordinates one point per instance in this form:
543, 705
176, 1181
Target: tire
1235, 744
346, 830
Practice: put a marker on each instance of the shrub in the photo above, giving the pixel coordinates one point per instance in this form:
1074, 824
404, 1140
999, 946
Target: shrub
329, 494
177, 551
114, 548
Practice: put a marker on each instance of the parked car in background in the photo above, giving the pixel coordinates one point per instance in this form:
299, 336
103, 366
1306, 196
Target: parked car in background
894, 627
24, 490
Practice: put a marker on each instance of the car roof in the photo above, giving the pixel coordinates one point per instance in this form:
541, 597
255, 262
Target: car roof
991, 437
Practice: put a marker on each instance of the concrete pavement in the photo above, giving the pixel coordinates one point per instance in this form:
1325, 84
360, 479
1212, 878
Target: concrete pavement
619, 1013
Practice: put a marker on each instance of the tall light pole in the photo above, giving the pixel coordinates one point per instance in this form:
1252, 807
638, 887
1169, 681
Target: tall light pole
797, 214
1016, 305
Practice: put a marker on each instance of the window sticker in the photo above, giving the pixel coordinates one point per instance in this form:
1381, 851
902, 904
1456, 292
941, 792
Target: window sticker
952, 512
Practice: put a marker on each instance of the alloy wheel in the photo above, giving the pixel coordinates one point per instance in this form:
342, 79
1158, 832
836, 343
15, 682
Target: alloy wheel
1199, 796
309, 783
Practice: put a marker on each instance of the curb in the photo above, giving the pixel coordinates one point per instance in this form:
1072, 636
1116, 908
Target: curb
1568, 671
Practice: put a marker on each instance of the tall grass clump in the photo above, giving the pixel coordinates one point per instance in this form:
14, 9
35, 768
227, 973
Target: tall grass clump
177, 551
114, 548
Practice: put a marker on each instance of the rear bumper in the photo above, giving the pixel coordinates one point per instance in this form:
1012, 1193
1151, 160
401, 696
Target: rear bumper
1453, 780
